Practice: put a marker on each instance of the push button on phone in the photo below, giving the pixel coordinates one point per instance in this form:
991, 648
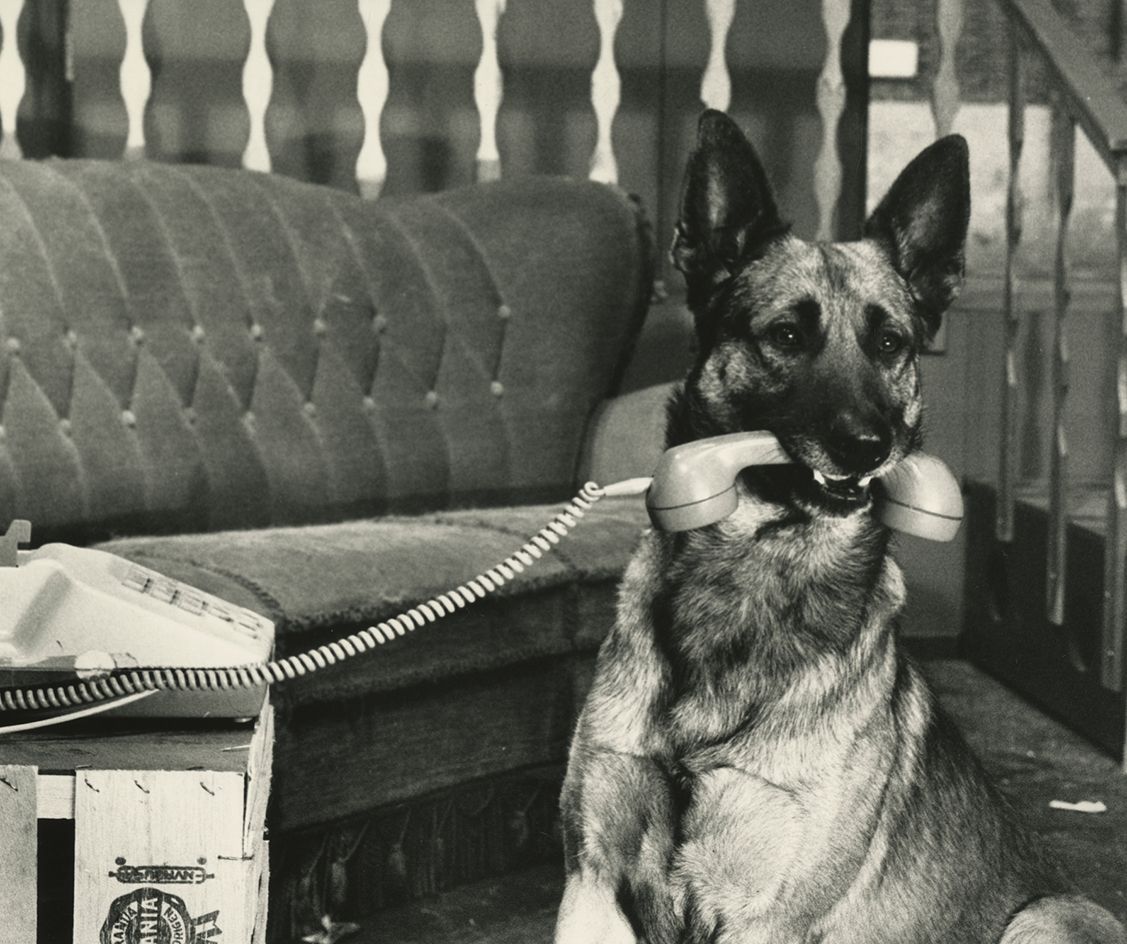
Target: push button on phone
190, 602
163, 590
137, 579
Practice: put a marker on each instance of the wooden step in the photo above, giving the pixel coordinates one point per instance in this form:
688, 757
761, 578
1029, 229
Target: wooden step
1086, 503
1007, 629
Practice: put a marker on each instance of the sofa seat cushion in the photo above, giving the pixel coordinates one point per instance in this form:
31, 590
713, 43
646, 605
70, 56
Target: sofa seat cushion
318, 582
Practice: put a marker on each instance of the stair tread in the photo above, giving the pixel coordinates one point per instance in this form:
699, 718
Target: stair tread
1087, 502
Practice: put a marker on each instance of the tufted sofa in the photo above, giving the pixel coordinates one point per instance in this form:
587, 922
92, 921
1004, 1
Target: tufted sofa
328, 410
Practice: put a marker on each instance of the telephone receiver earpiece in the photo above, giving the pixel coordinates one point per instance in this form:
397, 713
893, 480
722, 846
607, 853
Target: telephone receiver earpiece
695, 485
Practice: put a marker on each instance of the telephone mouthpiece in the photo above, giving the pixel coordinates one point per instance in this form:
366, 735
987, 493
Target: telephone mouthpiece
920, 496
694, 484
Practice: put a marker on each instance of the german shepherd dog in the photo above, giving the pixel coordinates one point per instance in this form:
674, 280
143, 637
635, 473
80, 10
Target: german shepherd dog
756, 761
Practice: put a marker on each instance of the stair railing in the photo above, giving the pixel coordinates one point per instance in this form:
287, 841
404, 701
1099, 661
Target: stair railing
1083, 96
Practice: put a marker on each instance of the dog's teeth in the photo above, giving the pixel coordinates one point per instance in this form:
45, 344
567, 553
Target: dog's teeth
819, 477
864, 480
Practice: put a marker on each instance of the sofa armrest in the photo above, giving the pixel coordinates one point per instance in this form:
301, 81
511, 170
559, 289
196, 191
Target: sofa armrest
627, 435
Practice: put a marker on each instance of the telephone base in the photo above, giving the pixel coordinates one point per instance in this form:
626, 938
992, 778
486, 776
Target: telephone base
230, 704
74, 613
221, 706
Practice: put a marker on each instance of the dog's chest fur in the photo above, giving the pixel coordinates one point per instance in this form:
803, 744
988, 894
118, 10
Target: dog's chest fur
745, 627
755, 666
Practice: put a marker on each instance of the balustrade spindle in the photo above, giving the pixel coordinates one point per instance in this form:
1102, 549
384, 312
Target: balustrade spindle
831, 106
372, 86
1010, 454
135, 78
716, 84
945, 86
258, 84
488, 88
606, 91
13, 78
1064, 156
1115, 544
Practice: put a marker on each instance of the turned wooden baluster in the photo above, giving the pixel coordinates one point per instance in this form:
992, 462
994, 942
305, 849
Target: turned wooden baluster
372, 85
1010, 455
606, 91
831, 106
135, 78
488, 88
258, 83
1064, 146
945, 86
13, 78
1115, 544
716, 84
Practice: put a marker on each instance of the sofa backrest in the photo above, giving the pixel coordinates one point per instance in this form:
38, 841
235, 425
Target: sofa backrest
190, 348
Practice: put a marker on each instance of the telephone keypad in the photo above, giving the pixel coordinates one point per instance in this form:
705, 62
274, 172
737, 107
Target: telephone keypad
192, 601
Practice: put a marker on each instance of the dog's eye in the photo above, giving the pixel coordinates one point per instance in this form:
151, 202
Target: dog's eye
890, 342
786, 336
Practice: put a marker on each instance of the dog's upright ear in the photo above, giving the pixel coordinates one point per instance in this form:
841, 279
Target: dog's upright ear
922, 224
727, 208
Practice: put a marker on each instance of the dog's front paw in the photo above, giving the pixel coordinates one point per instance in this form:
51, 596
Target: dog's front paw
1064, 919
589, 914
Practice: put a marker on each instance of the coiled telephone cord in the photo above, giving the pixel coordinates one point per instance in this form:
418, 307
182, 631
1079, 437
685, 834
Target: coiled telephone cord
124, 683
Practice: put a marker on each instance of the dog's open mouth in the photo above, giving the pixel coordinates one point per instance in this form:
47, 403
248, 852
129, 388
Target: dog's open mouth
840, 492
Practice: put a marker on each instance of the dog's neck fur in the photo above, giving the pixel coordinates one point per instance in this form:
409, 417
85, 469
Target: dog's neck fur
759, 612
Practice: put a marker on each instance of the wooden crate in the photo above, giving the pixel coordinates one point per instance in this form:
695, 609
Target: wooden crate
168, 834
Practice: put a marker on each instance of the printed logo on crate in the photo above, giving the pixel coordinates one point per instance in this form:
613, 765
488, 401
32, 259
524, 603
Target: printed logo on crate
161, 874
151, 916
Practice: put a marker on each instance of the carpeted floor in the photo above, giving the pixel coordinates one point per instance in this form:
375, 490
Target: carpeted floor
1034, 758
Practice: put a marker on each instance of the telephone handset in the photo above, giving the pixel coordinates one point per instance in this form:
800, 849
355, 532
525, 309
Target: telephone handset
695, 485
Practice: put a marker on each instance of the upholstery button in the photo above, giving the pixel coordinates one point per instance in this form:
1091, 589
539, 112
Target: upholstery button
432, 398
197, 333
190, 416
309, 408
496, 388
379, 324
71, 338
504, 312
136, 335
369, 405
128, 418
64, 426
12, 345
256, 331
319, 327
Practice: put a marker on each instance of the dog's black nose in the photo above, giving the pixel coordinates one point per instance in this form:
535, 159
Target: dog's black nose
857, 446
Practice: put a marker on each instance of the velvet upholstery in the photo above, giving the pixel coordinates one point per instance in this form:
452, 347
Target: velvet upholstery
319, 581
195, 349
